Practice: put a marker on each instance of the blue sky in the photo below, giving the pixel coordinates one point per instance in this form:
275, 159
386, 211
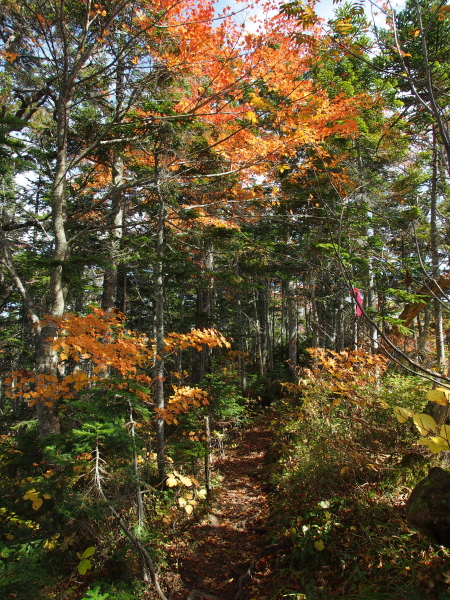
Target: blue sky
324, 8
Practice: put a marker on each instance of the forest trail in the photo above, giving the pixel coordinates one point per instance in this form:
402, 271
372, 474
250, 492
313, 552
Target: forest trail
223, 555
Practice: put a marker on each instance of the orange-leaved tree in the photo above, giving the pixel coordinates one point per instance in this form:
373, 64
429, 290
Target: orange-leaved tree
96, 351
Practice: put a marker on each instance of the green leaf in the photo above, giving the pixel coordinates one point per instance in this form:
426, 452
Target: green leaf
84, 566
88, 552
319, 545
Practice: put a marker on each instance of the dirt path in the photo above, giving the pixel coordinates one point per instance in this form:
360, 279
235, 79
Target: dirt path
224, 549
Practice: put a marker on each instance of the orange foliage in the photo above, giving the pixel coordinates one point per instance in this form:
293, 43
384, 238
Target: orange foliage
94, 347
217, 64
344, 375
197, 338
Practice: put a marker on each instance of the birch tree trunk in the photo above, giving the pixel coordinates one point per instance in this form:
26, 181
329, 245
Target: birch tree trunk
434, 245
159, 329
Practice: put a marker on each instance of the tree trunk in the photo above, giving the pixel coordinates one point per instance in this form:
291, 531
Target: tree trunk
201, 360
159, 333
240, 339
117, 210
434, 246
46, 357
292, 326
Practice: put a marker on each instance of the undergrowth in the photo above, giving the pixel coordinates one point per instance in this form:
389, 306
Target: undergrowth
341, 469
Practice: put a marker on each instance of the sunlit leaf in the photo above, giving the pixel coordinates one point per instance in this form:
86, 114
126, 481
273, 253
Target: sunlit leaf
402, 414
189, 509
444, 433
424, 423
439, 395
432, 444
171, 482
31, 495
88, 552
439, 441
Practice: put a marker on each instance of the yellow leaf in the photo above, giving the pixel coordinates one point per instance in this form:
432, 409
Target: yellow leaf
250, 116
439, 395
439, 441
36, 505
416, 32
31, 495
445, 433
171, 482
432, 445
319, 545
63, 356
402, 414
46, 496
182, 502
189, 509
201, 494
405, 53
9, 536
424, 423
344, 470
185, 481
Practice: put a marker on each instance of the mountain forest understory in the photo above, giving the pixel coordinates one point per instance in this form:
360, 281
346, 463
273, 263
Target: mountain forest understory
224, 276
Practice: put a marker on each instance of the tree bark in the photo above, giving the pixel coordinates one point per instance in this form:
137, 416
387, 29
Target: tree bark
292, 326
159, 331
117, 210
